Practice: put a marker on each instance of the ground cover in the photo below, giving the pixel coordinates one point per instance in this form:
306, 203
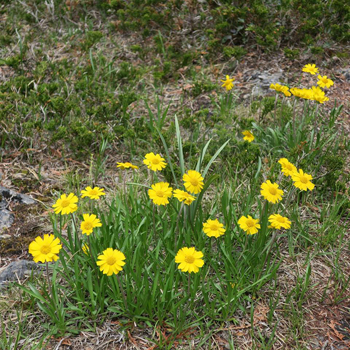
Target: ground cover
86, 85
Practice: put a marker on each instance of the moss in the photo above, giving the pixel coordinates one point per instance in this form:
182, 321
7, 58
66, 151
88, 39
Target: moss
236, 51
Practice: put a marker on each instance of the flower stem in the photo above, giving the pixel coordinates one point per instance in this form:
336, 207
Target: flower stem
48, 279
77, 240
189, 284
122, 292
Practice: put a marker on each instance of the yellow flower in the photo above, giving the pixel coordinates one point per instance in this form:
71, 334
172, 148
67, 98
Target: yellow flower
154, 161
126, 165
184, 196
281, 88
93, 193
66, 205
189, 259
111, 261
319, 95
193, 181
85, 249
303, 181
160, 193
227, 83
249, 225
307, 94
310, 68
271, 192
277, 221
324, 82
45, 250
287, 168
89, 223
248, 136
302, 93
213, 228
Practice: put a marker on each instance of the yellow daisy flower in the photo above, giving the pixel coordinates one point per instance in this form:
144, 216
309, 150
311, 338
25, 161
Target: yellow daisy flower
319, 95
160, 193
281, 88
324, 81
271, 192
93, 193
310, 68
287, 168
248, 136
89, 223
45, 250
66, 205
189, 259
302, 181
111, 261
184, 196
227, 83
249, 225
126, 165
154, 161
193, 181
213, 228
297, 92
277, 221
308, 94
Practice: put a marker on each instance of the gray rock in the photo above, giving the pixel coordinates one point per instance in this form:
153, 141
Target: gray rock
262, 81
14, 196
6, 195
17, 270
6, 219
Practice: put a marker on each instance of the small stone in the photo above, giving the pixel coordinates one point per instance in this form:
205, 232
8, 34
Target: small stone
12, 195
6, 219
17, 269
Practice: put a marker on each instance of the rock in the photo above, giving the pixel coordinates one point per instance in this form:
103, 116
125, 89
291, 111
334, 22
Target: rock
6, 195
12, 195
262, 81
345, 72
6, 219
17, 270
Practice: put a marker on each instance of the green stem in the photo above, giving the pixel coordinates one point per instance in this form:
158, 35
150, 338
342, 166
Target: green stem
77, 240
122, 293
48, 279
177, 223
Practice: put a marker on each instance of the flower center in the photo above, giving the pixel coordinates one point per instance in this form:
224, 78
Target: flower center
155, 161
111, 260
189, 259
273, 191
250, 223
214, 227
289, 166
159, 193
194, 182
65, 203
280, 219
303, 179
45, 249
88, 225
93, 193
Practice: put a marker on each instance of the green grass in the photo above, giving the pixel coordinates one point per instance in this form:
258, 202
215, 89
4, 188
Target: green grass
95, 90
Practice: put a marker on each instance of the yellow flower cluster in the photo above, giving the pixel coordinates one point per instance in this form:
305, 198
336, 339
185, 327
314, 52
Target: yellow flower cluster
161, 192
314, 94
301, 179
